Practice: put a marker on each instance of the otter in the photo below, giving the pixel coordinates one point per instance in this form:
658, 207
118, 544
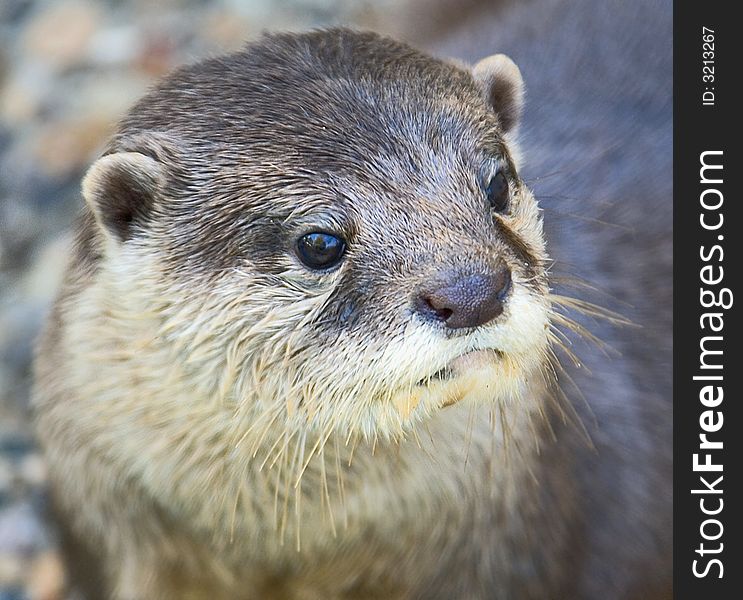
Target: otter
305, 347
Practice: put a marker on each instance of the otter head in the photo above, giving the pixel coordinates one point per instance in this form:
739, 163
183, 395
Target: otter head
328, 231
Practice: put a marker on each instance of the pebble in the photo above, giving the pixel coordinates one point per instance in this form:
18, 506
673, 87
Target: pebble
227, 30
46, 577
12, 567
6, 478
60, 35
22, 93
33, 470
115, 46
22, 530
68, 146
44, 277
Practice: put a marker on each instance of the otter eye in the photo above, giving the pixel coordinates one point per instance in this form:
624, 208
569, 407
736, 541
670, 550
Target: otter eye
498, 193
320, 250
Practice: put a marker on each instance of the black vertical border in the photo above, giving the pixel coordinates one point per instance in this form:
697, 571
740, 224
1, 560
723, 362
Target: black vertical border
698, 128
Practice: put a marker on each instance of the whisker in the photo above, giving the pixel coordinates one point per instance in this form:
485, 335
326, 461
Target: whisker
339, 480
584, 218
590, 309
468, 435
560, 400
325, 492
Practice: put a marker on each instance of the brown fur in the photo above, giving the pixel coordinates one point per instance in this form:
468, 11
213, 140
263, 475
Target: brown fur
223, 423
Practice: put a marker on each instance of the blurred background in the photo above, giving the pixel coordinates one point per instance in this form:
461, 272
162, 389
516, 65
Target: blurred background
596, 128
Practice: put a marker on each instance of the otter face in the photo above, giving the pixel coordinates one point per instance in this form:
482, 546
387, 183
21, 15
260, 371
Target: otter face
330, 231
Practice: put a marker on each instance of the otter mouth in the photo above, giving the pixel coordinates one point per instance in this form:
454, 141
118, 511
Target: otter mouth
469, 360
441, 375
464, 376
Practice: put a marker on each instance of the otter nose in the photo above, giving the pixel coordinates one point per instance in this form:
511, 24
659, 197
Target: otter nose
465, 300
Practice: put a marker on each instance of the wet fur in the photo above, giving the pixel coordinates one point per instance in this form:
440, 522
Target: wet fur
213, 498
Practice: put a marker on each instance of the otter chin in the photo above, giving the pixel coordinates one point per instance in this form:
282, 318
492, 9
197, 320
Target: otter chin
477, 376
472, 359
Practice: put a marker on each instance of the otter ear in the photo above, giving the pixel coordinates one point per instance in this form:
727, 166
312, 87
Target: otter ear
503, 88
120, 190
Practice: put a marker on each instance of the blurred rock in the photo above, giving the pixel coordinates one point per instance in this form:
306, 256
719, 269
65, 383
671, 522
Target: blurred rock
115, 46
20, 98
69, 145
21, 530
61, 33
43, 279
157, 55
12, 11
227, 30
11, 570
46, 578
32, 470
6, 479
